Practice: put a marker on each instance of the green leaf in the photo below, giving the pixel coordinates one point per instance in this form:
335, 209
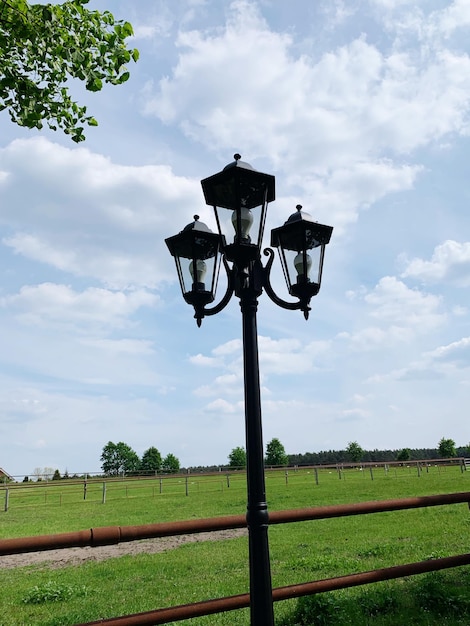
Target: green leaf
43, 46
127, 29
95, 84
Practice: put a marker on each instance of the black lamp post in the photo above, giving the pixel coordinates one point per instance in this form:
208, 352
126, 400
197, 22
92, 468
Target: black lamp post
245, 193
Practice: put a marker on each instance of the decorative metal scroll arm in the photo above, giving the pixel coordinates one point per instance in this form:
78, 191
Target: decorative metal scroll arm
201, 311
302, 303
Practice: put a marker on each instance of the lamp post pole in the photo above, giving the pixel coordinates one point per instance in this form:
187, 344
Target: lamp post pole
261, 602
197, 252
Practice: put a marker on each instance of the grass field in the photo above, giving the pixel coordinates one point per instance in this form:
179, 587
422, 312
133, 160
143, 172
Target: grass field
299, 552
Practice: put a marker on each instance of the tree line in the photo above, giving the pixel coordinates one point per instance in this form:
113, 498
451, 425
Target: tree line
353, 453
119, 459
275, 455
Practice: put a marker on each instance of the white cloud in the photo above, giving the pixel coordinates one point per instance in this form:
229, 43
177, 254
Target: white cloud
51, 303
442, 363
77, 211
450, 262
229, 347
341, 125
400, 314
205, 361
354, 96
227, 384
222, 406
456, 353
395, 303
339, 194
289, 356
276, 356
453, 17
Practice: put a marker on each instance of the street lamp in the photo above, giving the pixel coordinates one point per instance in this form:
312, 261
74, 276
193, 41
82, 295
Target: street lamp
240, 196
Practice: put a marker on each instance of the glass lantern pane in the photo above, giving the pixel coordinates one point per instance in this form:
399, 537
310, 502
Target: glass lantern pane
197, 274
302, 267
243, 222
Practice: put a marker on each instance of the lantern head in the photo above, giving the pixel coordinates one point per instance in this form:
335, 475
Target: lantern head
240, 189
196, 250
301, 242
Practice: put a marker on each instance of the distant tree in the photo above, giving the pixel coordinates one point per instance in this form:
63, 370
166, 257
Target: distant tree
48, 473
237, 458
354, 451
446, 448
43, 46
275, 453
170, 464
119, 458
38, 473
66, 474
56, 475
151, 461
26, 479
404, 454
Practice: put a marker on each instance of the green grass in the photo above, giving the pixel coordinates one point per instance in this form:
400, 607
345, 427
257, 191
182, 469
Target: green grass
300, 552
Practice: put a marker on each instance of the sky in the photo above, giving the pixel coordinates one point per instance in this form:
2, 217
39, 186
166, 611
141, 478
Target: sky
361, 110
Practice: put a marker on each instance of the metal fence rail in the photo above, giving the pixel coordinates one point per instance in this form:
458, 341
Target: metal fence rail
116, 534
242, 601
111, 535
68, 491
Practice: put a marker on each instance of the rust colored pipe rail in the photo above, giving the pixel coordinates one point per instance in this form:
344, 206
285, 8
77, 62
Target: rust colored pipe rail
110, 535
374, 506
209, 607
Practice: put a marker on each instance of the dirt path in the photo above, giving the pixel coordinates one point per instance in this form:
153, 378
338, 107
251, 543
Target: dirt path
76, 556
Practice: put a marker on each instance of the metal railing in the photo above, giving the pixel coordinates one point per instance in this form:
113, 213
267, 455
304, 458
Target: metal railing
116, 534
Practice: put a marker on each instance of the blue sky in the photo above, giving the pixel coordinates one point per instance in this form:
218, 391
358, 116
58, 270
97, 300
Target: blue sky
361, 111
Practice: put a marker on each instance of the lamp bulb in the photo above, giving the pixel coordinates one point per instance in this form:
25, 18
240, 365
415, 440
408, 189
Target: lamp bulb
198, 273
302, 271
246, 221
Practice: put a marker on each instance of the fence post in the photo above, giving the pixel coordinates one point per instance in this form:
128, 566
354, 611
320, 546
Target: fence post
287, 477
186, 481
228, 480
316, 475
7, 498
371, 473
103, 499
161, 485
418, 467
84, 490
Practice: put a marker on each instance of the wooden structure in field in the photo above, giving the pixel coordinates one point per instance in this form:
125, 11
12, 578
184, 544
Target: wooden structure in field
5, 476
